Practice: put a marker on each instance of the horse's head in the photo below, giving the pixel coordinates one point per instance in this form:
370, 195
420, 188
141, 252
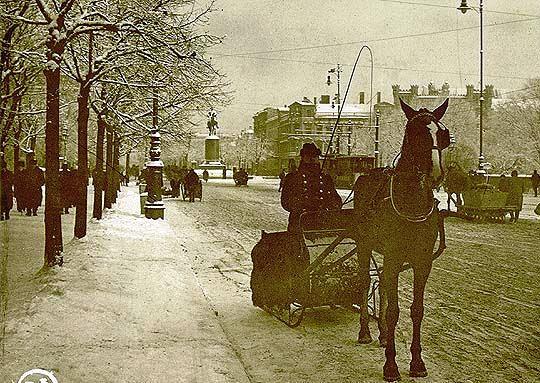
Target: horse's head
420, 151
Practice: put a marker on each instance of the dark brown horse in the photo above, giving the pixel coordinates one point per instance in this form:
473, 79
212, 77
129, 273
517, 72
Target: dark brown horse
398, 218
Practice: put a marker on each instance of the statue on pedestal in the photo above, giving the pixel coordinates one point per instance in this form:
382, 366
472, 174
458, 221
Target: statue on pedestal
212, 123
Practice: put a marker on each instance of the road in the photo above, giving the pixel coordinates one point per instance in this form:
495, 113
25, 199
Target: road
482, 311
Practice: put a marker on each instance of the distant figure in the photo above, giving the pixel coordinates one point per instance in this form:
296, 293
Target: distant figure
240, 177
19, 187
503, 183
205, 175
34, 180
281, 179
515, 195
191, 182
455, 184
68, 189
175, 187
6, 193
307, 188
224, 173
535, 182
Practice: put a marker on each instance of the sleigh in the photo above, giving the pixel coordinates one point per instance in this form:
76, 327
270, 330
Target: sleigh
317, 267
485, 204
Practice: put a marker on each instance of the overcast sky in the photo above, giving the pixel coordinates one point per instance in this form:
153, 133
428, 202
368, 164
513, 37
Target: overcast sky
276, 51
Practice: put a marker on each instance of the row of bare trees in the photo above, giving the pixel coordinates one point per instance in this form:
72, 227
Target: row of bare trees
118, 54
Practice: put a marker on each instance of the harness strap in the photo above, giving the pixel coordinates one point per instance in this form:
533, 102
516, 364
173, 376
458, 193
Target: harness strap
418, 218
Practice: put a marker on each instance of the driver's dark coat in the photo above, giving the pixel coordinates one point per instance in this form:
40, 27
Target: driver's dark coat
305, 190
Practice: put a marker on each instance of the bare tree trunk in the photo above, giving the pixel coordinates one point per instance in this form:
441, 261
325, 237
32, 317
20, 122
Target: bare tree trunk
108, 170
116, 169
53, 220
128, 153
98, 172
82, 160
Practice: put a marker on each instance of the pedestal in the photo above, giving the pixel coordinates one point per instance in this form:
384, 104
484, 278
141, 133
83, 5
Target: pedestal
212, 161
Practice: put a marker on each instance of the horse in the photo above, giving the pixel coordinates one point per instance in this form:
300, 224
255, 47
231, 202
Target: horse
397, 216
455, 184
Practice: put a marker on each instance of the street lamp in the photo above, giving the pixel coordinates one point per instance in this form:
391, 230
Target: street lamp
464, 8
336, 71
154, 207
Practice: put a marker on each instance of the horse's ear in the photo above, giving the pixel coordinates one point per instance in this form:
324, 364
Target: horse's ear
441, 110
409, 112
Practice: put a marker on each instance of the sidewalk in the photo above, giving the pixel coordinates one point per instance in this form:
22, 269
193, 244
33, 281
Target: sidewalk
125, 307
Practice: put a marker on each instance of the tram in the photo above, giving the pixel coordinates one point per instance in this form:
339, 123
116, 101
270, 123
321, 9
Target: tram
345, 169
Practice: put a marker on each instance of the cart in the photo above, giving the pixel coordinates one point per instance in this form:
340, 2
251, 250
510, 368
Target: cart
485, 204
317, 267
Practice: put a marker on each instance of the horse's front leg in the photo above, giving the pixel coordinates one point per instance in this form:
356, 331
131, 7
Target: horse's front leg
421, 274
364, 256
390, 283
383, 306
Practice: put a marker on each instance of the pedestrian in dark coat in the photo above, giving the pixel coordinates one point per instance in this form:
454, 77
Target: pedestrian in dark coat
34, 180
535, 182
281, 179
515, 195
307, 188
6, 192
68, 188
19, 186
191, 182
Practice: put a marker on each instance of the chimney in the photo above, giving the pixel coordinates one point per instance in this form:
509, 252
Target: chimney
361, 98
470, 91
414, 90
314, 100
378, 97
325, 99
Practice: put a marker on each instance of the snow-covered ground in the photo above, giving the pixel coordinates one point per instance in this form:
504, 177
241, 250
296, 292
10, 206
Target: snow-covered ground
125, 307
152, 301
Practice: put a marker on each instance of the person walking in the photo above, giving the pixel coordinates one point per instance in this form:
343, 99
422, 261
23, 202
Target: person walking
535, 182
515, 195
307, 188
281, 179
191, 182
6, 193
205, 175
34, 179
19, 186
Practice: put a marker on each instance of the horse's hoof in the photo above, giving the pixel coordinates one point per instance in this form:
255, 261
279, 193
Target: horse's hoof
418, 374
418, 370
392, 378
365, 339
391, 372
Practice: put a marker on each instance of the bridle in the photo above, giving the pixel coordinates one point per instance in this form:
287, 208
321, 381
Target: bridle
425, 216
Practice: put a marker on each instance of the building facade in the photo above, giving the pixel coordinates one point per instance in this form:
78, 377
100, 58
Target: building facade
431, 96
287, 128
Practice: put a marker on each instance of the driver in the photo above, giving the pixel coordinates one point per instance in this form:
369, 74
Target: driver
307, 188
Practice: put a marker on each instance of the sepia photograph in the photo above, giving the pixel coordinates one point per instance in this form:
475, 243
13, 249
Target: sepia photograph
269, 191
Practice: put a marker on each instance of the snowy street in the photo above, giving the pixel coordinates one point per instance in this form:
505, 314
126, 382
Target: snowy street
169, 301
482, 308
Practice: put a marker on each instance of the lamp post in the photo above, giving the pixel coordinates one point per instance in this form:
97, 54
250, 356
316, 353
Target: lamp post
376, 151
336, 71
64, 138
154, 207
464, 8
